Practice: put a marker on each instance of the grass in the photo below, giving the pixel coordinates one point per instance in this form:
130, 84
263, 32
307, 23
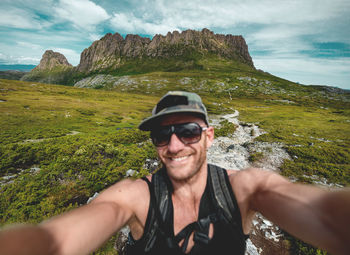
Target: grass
37, 123
317, 139
38, 120
34, 110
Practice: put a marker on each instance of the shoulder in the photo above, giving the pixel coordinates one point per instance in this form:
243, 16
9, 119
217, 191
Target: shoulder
128, 193
249, 183
256, 177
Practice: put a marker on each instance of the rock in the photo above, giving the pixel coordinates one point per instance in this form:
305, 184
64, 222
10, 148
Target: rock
109, 51
234, 152
252, 249
51, 59
100, 80
152, 165
101, 53
112, 52
53, 68
121, 241
130, 173
92, 198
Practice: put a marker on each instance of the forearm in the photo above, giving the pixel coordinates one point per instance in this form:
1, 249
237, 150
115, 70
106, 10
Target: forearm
314, 215
79, 231
93, 225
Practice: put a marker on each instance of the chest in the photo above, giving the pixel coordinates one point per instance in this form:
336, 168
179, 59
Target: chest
185, 212
191, 216
190, 223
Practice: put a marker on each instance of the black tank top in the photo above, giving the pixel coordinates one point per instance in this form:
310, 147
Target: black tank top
159, 238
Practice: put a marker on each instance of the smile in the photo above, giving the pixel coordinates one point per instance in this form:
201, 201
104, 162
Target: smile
179, 158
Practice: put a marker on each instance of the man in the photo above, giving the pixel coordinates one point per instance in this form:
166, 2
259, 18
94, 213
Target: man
189, 206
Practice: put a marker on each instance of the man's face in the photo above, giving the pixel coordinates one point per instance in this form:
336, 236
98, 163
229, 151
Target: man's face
183, 161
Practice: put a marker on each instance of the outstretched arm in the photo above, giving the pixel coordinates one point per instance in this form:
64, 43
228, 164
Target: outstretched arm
317, 216
79, 231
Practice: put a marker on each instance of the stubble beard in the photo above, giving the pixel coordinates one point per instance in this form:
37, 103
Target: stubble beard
190, 170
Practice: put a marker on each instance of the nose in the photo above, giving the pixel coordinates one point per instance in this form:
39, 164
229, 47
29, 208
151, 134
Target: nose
175, 144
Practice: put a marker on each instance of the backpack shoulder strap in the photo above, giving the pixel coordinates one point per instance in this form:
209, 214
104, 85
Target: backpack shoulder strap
222, 192
161, 193
225, 197
160, 190
157, 215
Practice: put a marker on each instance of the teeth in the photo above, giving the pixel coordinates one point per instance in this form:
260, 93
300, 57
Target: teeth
179, 158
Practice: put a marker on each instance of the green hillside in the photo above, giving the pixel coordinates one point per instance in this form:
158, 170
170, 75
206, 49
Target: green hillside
61, 144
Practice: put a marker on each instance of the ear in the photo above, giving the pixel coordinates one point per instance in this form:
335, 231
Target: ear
210, 136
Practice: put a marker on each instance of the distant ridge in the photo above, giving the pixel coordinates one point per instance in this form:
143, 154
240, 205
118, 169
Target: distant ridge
135, 54
53, 68
112, 50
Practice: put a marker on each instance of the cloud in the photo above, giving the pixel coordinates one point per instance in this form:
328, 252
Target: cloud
281, 39
131, 24
94, 36
26, 43
17, 18
21, 59
197, 14
332, 72
29, 45
83, 14
72, 56
21, 56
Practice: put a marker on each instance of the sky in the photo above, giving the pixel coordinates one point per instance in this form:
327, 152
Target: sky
305, 41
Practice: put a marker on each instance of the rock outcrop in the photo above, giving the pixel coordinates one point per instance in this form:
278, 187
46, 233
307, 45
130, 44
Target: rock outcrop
51, 60
112, 53
53, 68
112, 50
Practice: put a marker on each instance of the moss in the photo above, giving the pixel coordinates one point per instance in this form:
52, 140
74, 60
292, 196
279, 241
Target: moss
87, 112
226, 128
253, 157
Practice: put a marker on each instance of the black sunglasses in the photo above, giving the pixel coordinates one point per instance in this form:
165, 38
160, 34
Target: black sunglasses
188, 133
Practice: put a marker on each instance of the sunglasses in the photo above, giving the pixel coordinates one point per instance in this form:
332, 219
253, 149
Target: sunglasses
188, 133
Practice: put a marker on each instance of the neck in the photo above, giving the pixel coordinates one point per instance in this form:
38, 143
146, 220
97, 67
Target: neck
193, 187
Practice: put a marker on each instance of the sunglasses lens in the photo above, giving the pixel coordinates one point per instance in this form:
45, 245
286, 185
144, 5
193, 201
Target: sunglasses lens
162, 136
188, 133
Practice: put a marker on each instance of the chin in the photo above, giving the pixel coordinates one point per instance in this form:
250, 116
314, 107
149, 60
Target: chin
184, 173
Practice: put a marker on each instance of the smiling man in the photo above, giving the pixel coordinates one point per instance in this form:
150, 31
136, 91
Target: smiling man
189, 206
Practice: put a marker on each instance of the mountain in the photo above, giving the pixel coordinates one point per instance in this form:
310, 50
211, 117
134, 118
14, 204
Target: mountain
112, 51
112, 54
51, 60
53, 68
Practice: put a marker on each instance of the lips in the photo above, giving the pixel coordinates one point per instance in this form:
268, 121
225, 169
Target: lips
178, 159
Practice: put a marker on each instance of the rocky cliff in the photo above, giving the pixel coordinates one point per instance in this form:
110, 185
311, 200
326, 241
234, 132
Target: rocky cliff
53, 68
136, 54
51, 60
112, 51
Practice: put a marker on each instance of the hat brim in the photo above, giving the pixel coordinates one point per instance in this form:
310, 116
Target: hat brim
149, 123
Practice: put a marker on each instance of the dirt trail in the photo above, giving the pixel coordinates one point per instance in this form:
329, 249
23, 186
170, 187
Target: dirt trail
234, 152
